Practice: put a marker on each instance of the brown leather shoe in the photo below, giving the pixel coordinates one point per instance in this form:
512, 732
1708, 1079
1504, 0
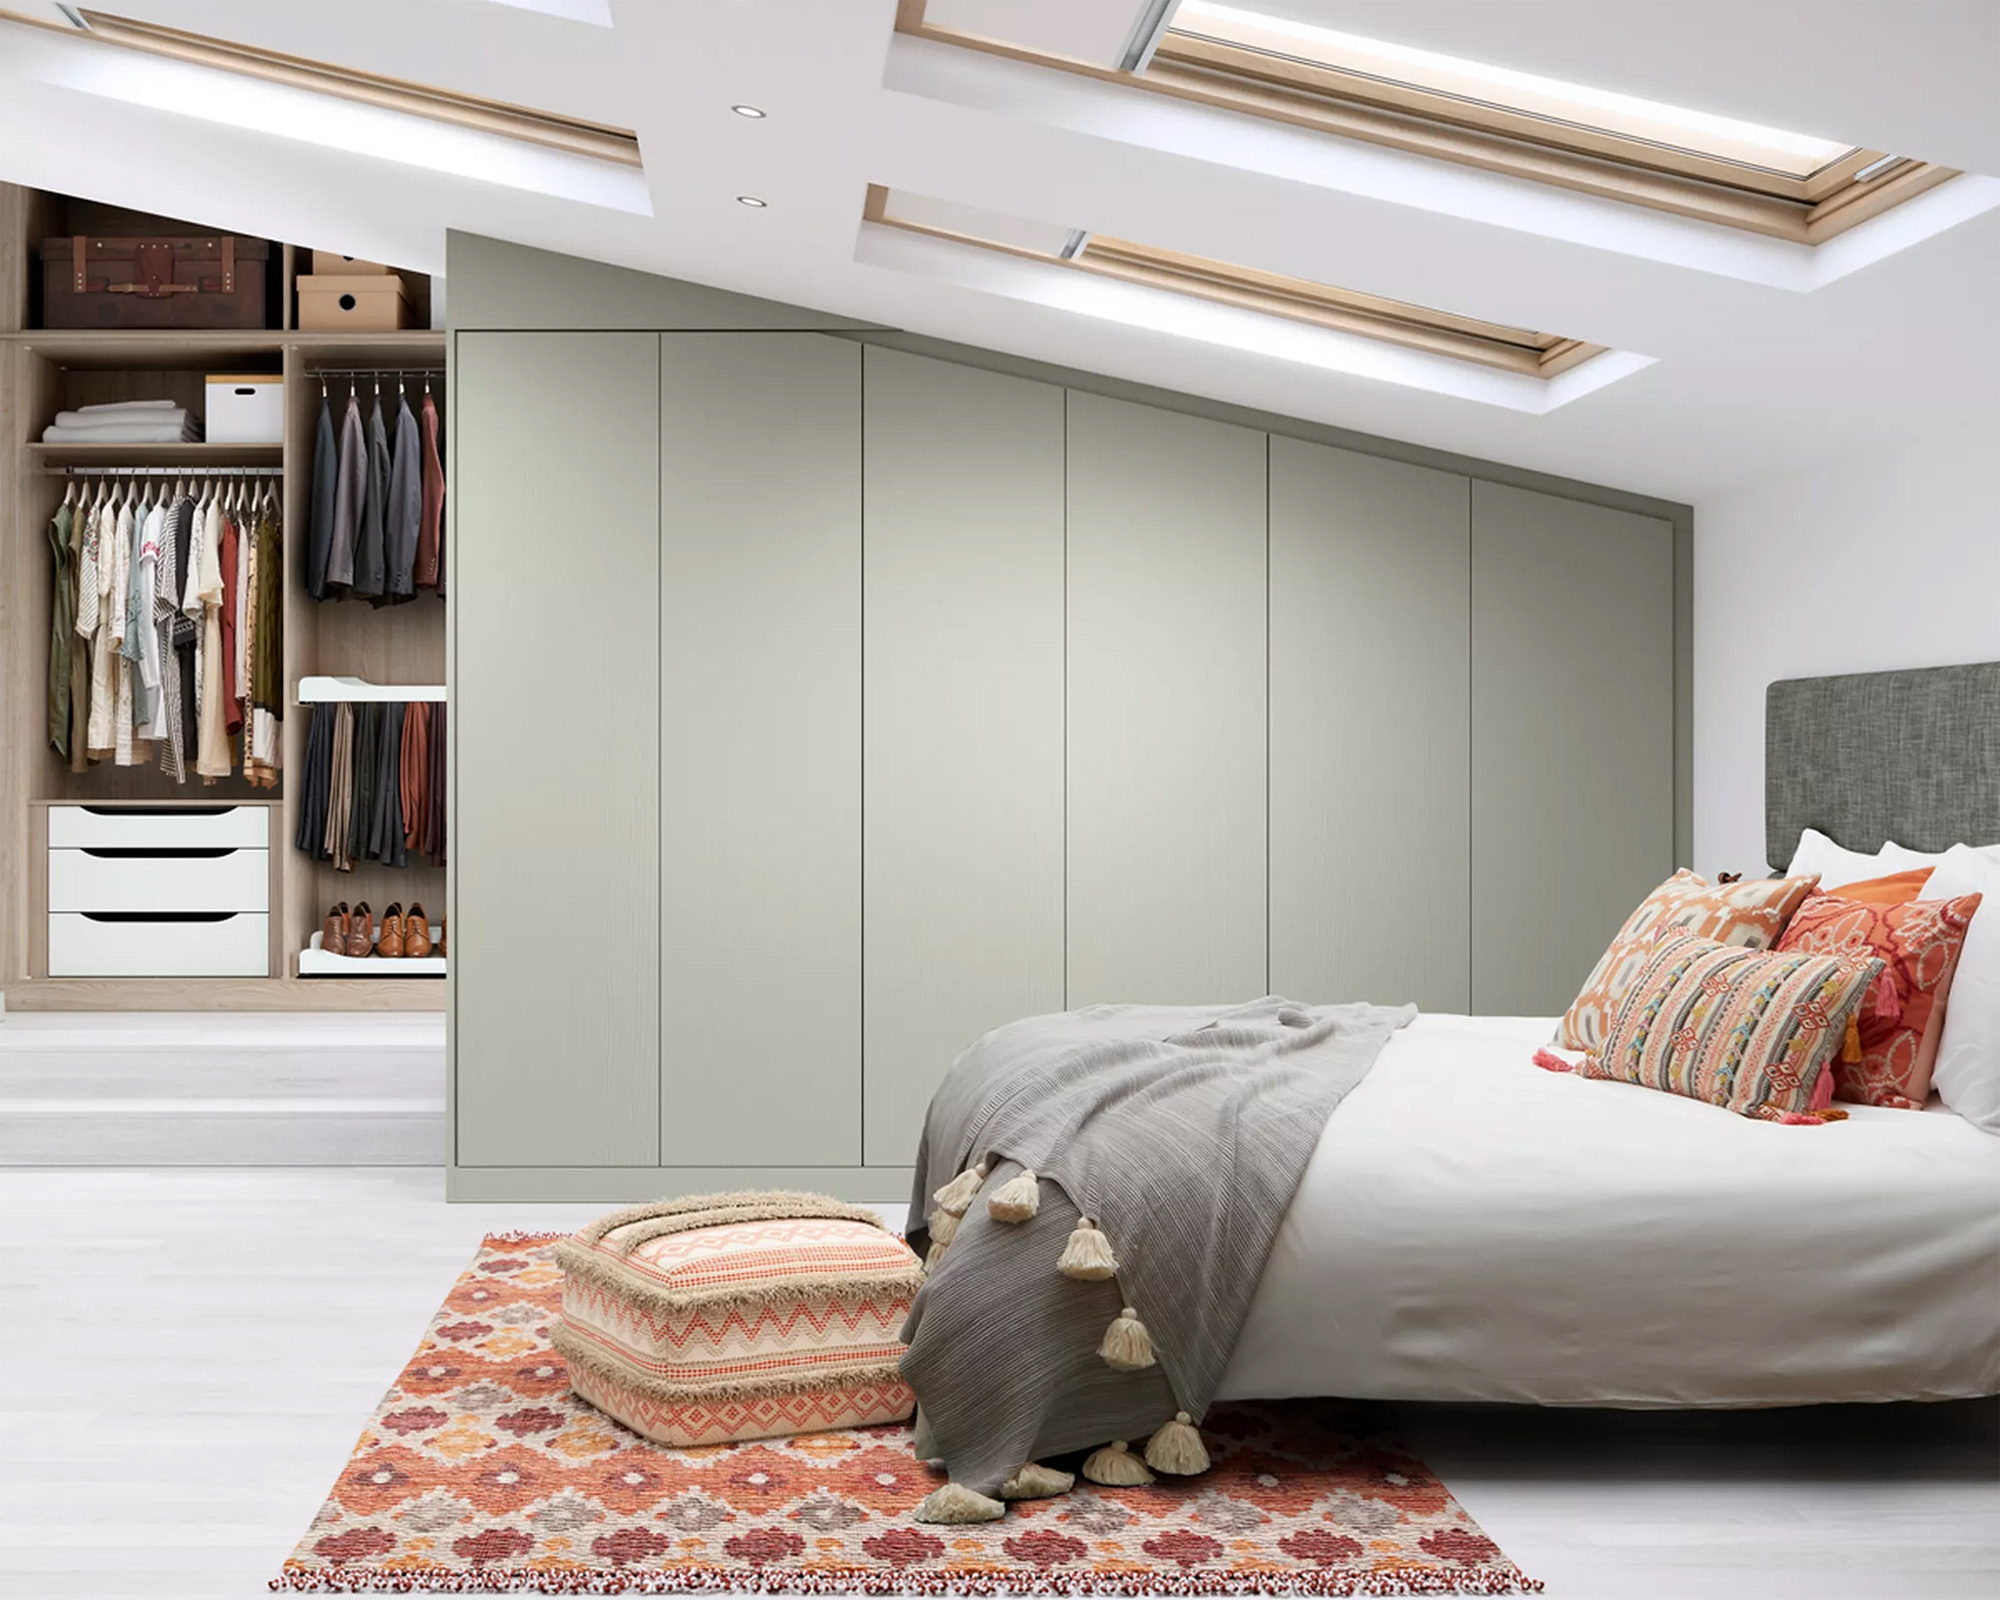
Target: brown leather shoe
333, 931
361, 931
390, 941
416, 932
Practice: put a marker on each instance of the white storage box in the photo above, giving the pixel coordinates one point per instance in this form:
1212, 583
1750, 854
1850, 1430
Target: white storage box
245, 410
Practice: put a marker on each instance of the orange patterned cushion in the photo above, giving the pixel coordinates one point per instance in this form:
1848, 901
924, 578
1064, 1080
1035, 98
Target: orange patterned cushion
1903, 1015
744, 1330
1752, 1031
1751, 914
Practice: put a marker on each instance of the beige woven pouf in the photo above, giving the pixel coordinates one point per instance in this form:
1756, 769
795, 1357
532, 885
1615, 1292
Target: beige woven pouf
737, 1316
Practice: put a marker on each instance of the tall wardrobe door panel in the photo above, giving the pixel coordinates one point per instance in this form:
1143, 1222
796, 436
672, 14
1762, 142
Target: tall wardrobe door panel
963, 718
760, 716
1167, 715
555, 792
1370, 716
1572, 738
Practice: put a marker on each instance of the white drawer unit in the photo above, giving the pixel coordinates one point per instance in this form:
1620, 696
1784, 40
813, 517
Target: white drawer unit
159, 891
159, 944
160, 878
82, 827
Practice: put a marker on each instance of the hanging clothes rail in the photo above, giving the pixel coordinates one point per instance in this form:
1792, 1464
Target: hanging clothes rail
191, 469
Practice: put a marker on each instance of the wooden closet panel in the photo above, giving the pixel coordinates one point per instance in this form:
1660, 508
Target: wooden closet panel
1370, 715
555, 582
1572, 738
760, 705
963, 715
1166, 814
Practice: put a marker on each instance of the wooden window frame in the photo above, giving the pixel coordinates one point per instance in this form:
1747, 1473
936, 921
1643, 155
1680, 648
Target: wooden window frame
1440, 333
1610, 166
572, 135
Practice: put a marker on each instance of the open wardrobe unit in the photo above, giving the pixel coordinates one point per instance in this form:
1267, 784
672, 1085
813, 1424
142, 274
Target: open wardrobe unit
221, 544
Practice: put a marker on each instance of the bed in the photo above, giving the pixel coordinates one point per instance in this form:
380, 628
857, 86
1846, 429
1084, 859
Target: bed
1472, 1229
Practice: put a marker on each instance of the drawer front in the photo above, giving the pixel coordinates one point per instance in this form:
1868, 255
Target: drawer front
135, 827
111, 944
159, 878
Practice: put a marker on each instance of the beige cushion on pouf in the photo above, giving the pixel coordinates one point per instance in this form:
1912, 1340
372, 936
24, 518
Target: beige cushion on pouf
737, 1316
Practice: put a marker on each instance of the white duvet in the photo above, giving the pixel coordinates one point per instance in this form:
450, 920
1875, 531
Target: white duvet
1474, 1228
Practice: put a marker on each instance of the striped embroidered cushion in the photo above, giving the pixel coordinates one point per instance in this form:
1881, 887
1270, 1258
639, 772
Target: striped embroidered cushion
741, 1330
1751, 913
1754, 1032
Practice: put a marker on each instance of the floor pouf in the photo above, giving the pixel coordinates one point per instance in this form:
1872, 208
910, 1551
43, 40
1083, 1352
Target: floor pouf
737, 1316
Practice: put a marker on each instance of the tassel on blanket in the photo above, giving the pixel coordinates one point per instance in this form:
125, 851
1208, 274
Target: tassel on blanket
1850, 1049
1016, 1200
933, 1255
1088, 1255
1036, 1482
957, 1195
1177, 1448
1116, 1467
1127, 1347
956, 1503
1549, 1061
943, 1226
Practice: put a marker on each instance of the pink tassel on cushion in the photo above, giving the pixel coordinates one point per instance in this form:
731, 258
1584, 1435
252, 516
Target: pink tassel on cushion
1549, 1061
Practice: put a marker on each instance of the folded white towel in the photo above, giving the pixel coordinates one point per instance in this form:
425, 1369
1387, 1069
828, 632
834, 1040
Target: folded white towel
130, 433
112, 406
152, 417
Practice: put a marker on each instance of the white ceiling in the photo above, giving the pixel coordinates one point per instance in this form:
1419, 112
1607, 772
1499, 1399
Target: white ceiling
1750, 375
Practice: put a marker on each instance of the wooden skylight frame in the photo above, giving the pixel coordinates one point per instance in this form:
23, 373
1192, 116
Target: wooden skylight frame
1442, 333
572, 135
1279, 88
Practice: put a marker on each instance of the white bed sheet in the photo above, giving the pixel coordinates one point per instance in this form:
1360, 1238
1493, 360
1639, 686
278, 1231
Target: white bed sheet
1474, 1228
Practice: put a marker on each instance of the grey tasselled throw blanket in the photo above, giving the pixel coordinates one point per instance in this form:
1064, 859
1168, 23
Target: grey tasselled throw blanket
1183, 1132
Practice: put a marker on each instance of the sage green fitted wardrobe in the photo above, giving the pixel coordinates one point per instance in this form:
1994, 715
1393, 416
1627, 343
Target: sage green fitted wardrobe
819, 705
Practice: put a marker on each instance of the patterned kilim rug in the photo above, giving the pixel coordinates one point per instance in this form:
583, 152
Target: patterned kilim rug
481, 1472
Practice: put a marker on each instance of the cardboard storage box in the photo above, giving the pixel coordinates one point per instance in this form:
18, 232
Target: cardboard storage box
245, 409
374, 302
327, 263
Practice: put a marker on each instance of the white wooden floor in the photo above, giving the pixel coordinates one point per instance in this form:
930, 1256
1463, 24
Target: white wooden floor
186, 1356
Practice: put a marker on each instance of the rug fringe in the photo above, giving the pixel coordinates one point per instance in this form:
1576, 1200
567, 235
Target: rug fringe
521, 1237
875, 1581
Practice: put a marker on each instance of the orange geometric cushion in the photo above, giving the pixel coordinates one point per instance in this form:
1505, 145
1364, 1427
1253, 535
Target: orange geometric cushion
1752, 1031
1751, 913
1902, 1017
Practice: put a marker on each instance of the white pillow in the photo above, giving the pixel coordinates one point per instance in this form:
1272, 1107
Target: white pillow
1967, 1074
1838, 866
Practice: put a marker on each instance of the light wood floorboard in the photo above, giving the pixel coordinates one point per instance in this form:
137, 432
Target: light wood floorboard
190, 1353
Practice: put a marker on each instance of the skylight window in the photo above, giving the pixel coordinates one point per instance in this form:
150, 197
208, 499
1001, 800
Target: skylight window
1721, 170
242, 86
1523, 351
1565, 106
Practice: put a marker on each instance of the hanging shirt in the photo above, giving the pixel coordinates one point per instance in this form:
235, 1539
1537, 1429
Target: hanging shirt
430, 532
211, 672
232, 593
168, 726
370, 569
142, 633
403, 508
62, 626
350, 493
326, 468
131, 522
104, 657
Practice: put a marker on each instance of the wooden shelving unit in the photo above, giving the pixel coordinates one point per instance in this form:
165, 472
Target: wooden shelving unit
46, 370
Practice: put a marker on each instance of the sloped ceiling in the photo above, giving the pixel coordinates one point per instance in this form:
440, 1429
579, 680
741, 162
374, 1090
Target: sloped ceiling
1747, 380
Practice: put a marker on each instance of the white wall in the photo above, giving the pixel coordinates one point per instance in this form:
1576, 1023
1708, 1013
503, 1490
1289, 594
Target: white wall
1858, 565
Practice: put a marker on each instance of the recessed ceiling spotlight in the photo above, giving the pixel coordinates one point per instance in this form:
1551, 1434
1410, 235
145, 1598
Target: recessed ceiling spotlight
751, 200
752, 112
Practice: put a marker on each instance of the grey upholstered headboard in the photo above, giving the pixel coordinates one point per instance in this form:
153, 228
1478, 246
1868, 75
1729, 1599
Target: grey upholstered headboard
1874, 756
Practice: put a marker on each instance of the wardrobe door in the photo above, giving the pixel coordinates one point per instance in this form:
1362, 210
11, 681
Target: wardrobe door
760, 718
1166, 836
1370, 714
1572, 738
555, 731
962, 693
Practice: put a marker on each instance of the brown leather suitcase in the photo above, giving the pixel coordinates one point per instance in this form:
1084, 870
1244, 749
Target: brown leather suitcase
161, 282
